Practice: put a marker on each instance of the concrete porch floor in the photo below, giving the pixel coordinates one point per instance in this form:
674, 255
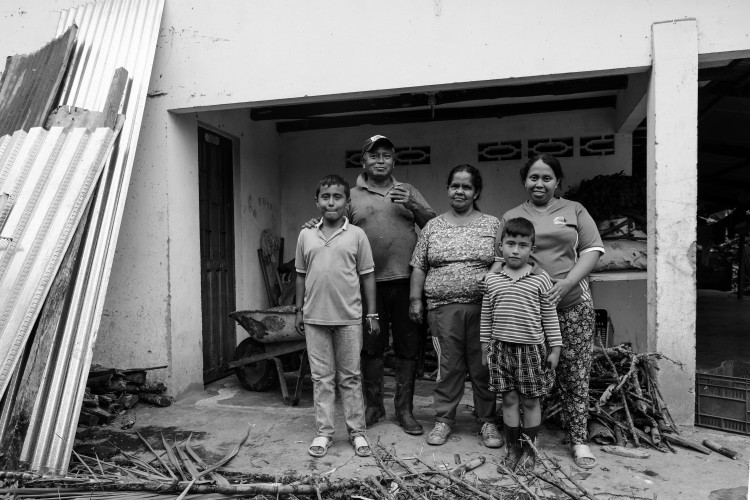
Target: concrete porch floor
280, 435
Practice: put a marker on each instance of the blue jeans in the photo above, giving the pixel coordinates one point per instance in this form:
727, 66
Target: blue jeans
333, 352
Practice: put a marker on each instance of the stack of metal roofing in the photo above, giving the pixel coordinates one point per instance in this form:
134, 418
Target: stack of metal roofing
49, 178
29, 84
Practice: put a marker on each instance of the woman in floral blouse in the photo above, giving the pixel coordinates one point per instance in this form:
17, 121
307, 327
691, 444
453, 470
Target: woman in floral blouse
453, 249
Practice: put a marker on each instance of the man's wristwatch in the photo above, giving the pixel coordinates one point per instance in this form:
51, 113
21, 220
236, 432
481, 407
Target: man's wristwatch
296, 309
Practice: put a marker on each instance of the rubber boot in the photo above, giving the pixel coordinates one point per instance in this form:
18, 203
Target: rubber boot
528, 453
372, 383
513, 447
403, 402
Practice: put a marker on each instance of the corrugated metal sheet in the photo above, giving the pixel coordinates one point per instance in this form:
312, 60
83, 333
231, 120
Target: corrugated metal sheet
5, 204
112, 34
52, 176
30, 82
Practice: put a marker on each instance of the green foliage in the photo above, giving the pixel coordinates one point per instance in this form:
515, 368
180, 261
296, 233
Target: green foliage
611, 196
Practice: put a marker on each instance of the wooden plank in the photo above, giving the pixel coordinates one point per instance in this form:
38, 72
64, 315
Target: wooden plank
422, 99
4, 203
114, 97
72, 116
69, 117
445, 114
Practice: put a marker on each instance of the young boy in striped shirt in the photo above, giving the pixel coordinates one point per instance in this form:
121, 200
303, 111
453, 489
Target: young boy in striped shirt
520, 334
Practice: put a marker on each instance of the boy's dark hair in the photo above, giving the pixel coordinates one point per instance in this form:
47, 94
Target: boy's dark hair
332, 180
519, 227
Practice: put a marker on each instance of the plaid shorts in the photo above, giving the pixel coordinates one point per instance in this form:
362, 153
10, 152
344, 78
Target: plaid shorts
522, 367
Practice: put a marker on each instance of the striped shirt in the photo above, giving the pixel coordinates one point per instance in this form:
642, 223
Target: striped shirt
563, 233
518, 311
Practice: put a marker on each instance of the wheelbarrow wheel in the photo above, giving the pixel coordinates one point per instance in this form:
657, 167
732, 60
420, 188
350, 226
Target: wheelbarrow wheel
257, 376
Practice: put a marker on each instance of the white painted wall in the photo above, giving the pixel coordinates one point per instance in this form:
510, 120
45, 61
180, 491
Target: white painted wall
672, 174
244, 52
137, 307
259, 50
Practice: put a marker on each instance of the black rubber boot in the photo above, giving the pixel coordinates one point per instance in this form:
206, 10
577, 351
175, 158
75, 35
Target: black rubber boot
403, 402
372, 383
513, 447
528, 455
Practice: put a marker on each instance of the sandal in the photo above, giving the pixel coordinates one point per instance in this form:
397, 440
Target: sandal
361, 446
319, 446
583, 457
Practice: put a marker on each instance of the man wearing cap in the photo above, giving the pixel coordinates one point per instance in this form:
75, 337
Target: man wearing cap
387, 211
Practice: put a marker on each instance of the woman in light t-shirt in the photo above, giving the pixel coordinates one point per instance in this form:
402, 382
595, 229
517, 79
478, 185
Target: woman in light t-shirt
568, 246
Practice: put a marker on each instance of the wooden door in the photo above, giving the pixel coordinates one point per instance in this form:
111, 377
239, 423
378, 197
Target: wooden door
215, 167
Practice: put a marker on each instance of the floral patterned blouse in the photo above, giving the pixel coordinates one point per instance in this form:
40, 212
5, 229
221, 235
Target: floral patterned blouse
452, 256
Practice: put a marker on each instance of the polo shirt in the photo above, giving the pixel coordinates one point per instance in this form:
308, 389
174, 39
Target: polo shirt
332, 268
389, 227
518, 311
563, 233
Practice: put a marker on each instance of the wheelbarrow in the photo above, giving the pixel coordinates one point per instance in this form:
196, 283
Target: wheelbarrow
273, 346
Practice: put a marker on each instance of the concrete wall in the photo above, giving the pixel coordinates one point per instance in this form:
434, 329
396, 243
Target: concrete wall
137, 307
258, 50
243, 51
623, 296
307, 156
235, 53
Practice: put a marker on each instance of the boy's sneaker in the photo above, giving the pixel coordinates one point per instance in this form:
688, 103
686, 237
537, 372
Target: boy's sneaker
491, 436
439, 434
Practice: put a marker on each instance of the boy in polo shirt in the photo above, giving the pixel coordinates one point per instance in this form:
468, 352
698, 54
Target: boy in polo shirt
331, 258
518, 328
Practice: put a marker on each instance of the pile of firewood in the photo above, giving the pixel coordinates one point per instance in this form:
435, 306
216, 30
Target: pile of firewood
626, 407
110, 393
176, 468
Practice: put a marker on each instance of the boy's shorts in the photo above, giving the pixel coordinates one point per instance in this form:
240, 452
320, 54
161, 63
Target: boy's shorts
522, 367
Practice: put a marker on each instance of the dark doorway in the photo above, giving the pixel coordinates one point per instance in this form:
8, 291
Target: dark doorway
215, 165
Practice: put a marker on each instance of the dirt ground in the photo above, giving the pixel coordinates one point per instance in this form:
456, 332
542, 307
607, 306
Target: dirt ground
280, 435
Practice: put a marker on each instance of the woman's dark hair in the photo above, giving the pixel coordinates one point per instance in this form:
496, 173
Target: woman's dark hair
476, 179
549, 160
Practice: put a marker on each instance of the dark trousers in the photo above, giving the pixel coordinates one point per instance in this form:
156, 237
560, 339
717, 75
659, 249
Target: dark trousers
456, 328
393, 308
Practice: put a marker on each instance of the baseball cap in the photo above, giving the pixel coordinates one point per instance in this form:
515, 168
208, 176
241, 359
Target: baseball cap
370, 143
